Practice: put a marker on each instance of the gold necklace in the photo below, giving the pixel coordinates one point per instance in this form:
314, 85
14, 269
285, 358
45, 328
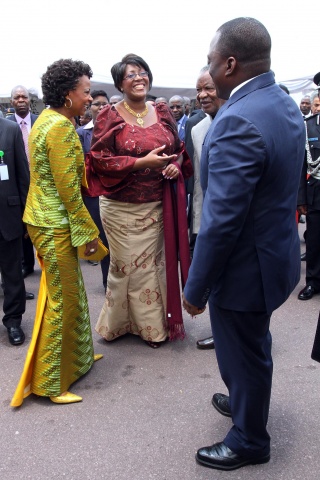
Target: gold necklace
137, 115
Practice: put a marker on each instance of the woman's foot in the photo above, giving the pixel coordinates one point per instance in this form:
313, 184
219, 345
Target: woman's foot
97, 357
153, 344
66, 397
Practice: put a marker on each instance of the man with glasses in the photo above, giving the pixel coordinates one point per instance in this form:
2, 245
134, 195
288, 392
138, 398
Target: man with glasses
99, 101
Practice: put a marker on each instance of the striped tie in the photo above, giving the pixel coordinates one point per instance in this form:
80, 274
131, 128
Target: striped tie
25, 135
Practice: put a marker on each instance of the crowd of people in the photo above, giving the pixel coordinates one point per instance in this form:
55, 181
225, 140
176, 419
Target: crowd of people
168, 190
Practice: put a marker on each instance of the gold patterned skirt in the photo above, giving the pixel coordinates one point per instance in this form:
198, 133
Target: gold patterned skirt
61, 348
136, 291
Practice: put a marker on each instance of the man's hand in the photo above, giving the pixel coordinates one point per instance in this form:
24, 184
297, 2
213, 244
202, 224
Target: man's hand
191, 309
302, 209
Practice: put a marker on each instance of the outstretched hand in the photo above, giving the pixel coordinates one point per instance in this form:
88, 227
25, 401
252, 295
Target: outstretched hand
155, 159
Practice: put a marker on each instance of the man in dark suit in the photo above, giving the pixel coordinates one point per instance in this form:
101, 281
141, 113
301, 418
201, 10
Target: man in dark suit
177, 107
20, 100
14, 184
309, 198
246, 260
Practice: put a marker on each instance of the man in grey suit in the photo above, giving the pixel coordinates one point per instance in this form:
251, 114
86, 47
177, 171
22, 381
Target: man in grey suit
14, 185
210, 104
20, 100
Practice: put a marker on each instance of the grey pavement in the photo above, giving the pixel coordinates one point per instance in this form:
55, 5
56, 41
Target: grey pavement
145, 412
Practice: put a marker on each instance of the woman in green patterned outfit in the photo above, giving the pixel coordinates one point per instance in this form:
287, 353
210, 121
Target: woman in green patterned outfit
61, 349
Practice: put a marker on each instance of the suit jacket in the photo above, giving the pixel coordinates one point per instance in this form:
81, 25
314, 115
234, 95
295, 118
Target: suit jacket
198, 134
57, 168
190, 123
13, 192
247, 254
32, 115
182, 127
85, 135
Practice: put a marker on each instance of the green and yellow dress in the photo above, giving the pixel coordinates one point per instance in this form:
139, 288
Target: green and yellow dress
61, 349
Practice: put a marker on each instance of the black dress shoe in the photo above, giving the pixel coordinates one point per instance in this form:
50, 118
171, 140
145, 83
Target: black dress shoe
27, 271
206, 343
29, 296
307, 293
219, 456
16, 335
222, 404
303, 257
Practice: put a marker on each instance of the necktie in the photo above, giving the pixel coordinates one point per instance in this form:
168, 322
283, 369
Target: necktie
25, 135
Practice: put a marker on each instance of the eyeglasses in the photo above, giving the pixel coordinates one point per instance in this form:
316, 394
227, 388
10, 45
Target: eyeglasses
99, 104
132, 76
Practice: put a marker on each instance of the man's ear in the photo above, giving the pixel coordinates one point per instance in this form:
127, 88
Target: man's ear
230, 66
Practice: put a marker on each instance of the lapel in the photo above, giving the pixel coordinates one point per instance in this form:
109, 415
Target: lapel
33, 118
198, 133
4, 140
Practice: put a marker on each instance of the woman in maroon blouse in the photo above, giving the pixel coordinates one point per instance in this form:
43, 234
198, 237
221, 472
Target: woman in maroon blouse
136, 158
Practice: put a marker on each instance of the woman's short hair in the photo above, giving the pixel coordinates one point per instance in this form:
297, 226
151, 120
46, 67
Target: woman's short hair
118, 69
60, 78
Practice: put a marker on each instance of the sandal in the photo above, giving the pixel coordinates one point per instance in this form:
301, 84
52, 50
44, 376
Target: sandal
153, 344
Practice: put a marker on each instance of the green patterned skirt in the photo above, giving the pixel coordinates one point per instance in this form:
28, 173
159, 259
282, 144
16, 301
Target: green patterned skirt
63, 349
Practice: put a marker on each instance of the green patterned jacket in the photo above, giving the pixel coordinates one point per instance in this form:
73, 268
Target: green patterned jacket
56, 171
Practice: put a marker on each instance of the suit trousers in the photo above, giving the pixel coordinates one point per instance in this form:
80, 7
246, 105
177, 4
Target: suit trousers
92, 204
243, 348
313, 247
14, 303
28, 254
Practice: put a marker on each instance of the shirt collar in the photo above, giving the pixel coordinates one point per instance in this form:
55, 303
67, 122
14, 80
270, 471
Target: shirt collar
181, 119
241, 85
88, 125
27, 119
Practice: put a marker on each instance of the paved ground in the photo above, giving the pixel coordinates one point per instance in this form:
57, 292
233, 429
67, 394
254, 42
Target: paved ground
146, 412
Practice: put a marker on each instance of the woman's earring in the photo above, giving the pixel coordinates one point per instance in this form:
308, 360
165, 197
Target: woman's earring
66, 102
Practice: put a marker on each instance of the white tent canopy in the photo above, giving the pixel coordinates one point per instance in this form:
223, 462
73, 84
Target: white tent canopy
175, 41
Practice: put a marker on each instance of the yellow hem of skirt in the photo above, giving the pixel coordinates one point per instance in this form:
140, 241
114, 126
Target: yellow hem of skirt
23, 389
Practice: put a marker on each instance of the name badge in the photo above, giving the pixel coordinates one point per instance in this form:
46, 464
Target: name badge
4, 174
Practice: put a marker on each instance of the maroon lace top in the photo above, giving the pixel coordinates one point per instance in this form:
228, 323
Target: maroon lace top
116, 145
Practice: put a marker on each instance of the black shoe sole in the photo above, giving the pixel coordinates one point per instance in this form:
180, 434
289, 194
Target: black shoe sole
201, 347
14, 343
253, 461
